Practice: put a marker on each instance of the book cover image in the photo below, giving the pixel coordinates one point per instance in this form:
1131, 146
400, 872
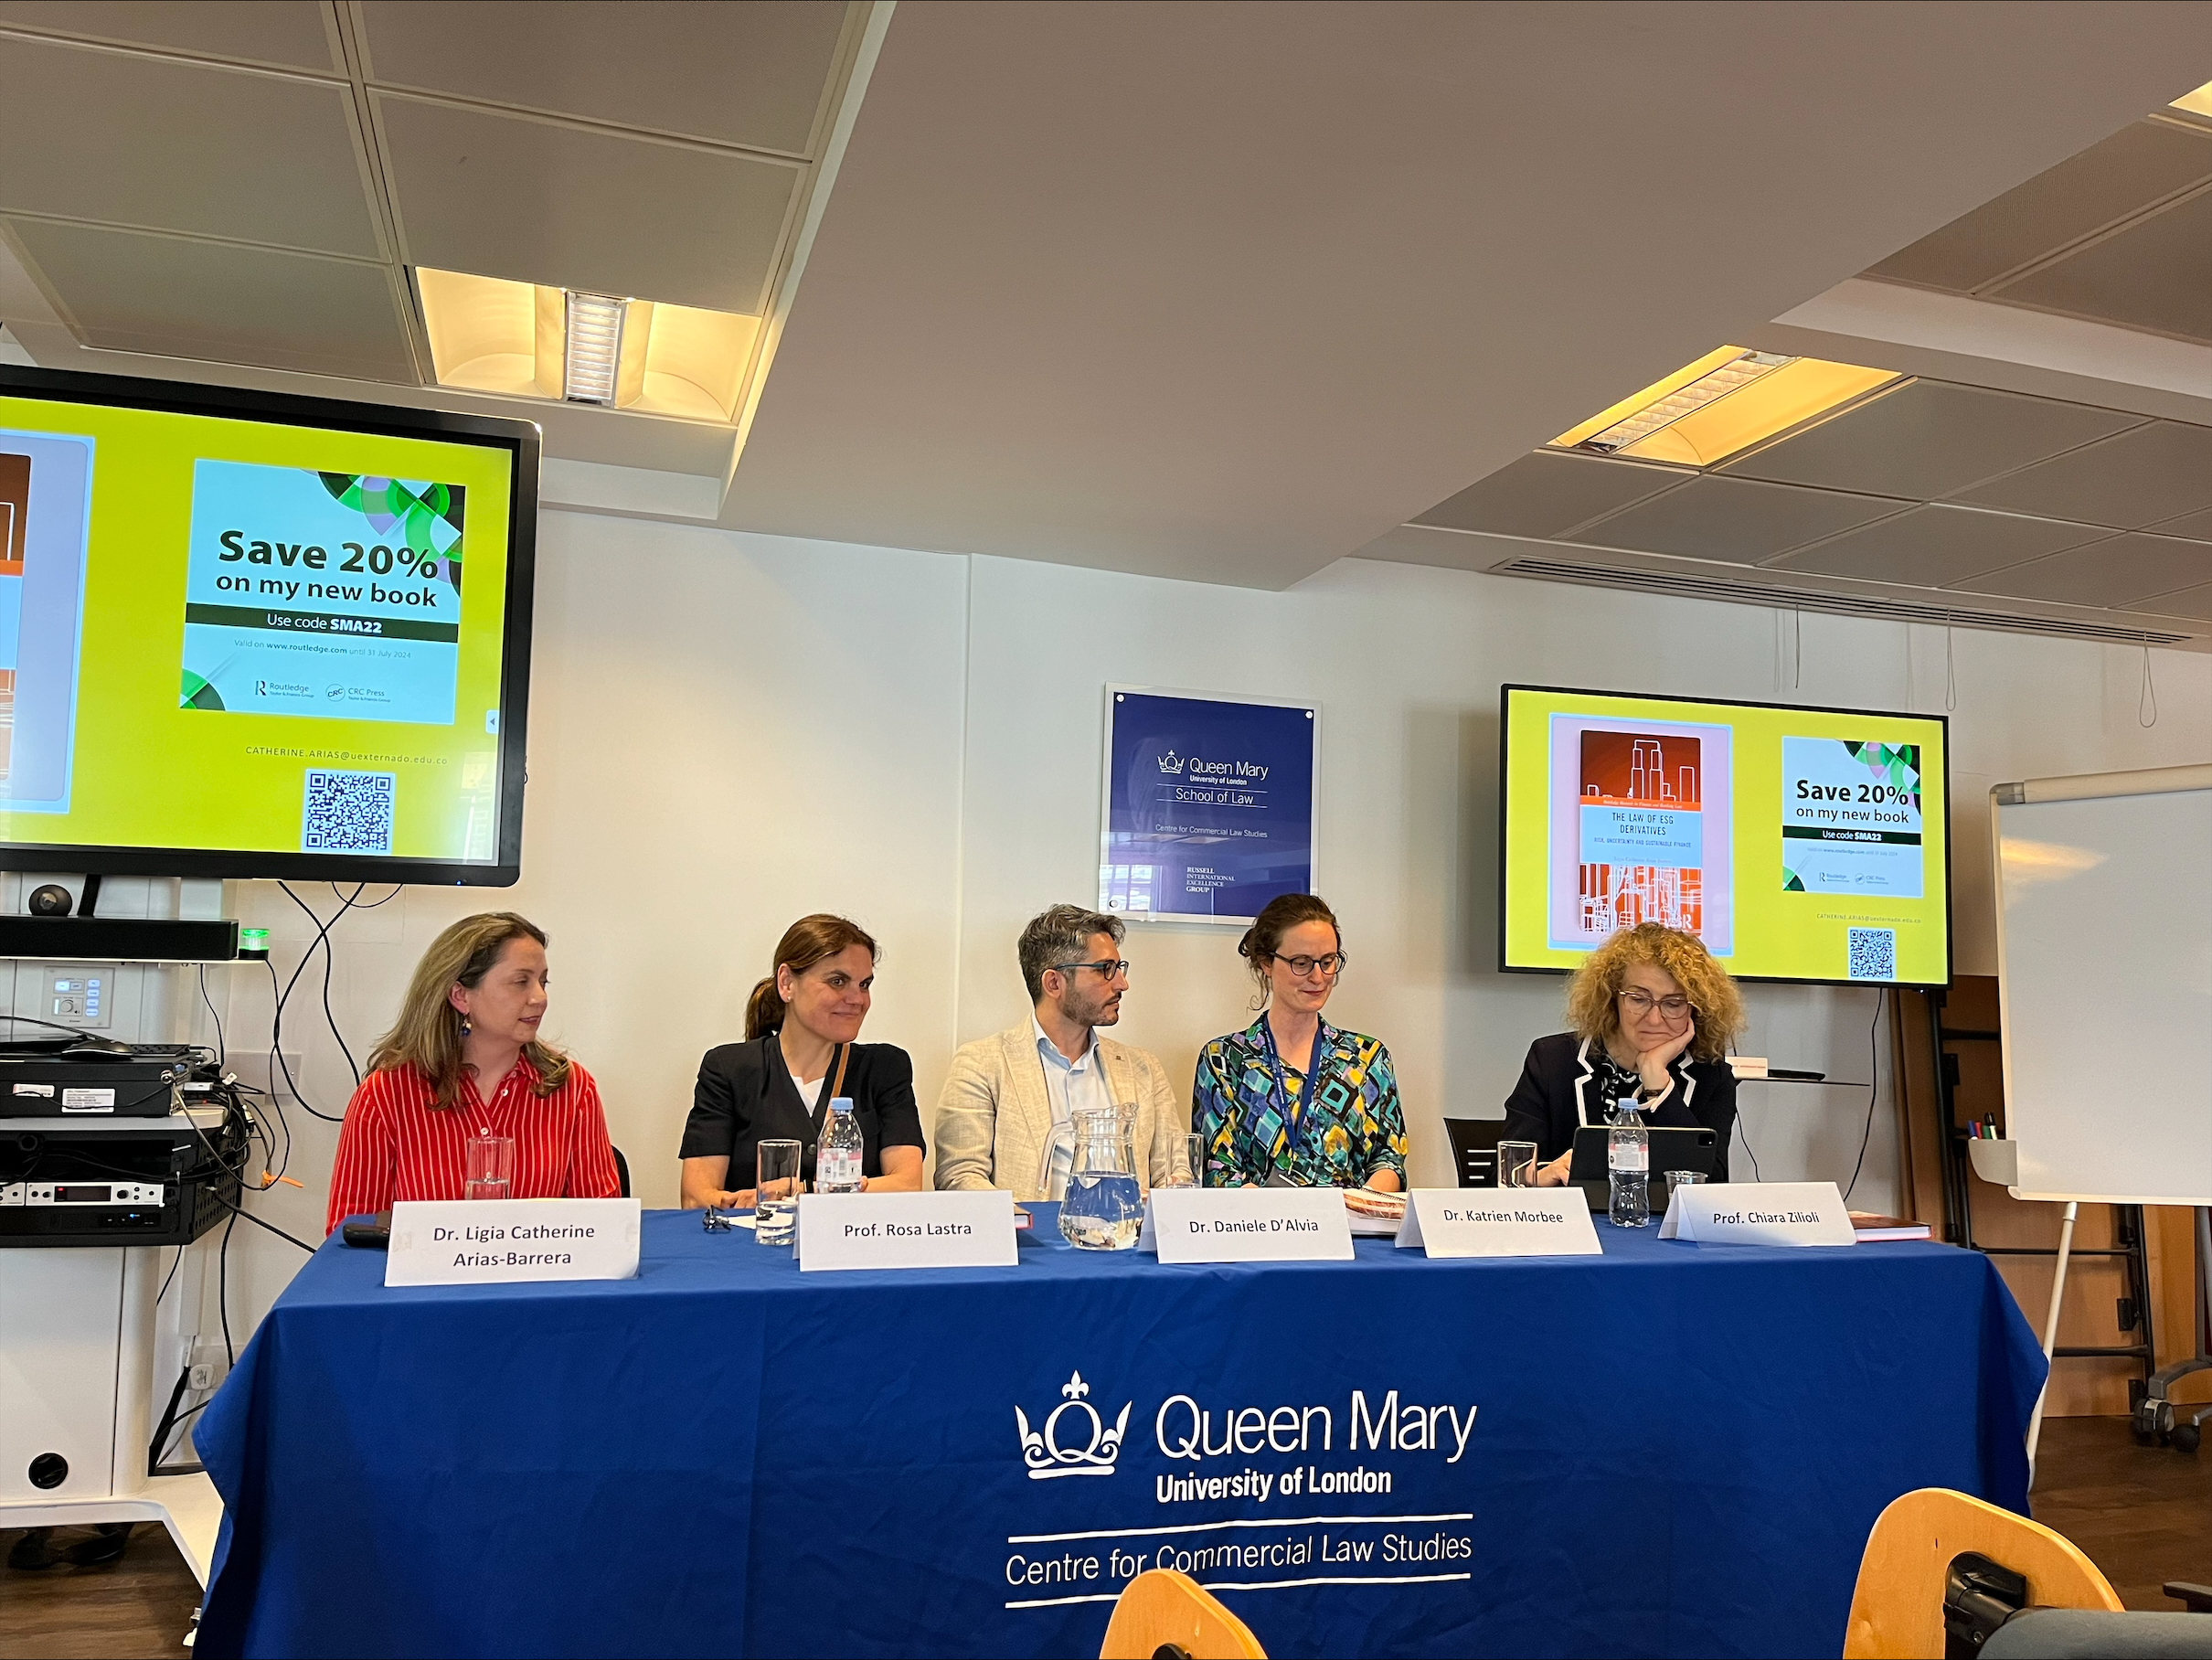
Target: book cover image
1640, 800
1851, 817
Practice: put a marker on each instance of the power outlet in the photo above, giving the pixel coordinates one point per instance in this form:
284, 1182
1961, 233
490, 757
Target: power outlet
208, 1367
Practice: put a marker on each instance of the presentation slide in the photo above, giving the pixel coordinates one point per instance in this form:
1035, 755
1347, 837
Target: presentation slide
1798, 844
229, 634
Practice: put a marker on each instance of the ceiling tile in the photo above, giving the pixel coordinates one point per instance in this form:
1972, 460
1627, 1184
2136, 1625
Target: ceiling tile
2196, 525
2118, 571
1935, 546
2196, 603
291, 34
138, 292
2135, 166
1734, 519
536, 201
172, 145
1545, 492
2156, 274
1929, 438
2138, 477
751, 74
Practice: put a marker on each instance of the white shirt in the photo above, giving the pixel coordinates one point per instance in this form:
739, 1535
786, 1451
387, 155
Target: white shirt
1070, 1085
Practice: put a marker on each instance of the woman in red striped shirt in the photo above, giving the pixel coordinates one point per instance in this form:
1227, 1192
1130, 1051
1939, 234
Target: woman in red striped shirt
465, 1060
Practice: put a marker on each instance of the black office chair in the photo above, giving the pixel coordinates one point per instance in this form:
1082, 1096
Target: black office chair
622, 1168
1474, 1149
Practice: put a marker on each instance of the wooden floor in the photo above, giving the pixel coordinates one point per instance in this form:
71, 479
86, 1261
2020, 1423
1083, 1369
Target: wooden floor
2143, 1513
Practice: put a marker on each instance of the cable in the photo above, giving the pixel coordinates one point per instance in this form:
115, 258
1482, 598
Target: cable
54, 1026
222, 1286
174, 1263
283, 1067
346, 903
1873, 1079
237, 1211
222, 1048
1746, 1135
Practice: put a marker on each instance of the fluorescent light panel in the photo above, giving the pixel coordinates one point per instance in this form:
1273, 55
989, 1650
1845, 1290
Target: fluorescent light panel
2198, 103
489, 334
594, 347
1722, 404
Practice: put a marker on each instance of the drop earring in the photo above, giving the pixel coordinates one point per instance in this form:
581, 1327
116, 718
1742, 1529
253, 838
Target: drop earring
465, 1028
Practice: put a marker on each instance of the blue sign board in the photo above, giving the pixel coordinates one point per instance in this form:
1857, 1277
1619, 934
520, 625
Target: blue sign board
1209, 804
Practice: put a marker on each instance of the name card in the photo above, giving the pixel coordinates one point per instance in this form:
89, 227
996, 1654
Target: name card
1759, 1213
1499, 1222
488, 1241
906, 1231
1247, 1225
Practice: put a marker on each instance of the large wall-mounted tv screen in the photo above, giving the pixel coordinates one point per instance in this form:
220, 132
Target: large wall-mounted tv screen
251, 635
1799, 844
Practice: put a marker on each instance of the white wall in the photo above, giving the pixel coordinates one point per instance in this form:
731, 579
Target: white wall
727, 732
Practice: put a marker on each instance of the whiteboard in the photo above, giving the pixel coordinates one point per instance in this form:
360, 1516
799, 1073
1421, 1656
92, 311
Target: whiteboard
2104, 954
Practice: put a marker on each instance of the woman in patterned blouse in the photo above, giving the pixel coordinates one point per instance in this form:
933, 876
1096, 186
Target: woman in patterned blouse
1292, 1100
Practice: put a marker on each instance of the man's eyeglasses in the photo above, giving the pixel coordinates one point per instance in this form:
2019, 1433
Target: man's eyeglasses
1330, 966
1108, 967
1643, 1003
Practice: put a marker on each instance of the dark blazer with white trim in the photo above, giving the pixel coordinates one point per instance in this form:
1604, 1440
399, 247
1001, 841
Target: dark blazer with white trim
1555, 1097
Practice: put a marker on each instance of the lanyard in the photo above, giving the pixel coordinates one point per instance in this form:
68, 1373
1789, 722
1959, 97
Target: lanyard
1278, 1091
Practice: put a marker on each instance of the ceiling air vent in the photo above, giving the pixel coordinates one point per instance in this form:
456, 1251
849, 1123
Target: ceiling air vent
1839, 604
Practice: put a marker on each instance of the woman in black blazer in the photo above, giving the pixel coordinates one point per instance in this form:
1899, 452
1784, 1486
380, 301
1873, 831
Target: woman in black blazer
1653, 1017
798, 1056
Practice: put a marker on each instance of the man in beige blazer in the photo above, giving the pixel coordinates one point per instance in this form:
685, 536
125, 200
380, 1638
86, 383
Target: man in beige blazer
1004, 1094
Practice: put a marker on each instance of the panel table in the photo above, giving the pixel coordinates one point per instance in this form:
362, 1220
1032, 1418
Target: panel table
1671, 1449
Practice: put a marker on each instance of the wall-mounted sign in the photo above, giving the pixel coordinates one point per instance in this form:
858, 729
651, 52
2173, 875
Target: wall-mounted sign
1208, 805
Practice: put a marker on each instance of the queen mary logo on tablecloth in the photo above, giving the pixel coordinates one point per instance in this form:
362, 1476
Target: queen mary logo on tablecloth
1046, 1453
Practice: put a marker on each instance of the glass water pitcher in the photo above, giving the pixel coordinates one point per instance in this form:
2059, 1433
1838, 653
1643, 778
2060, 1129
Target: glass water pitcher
1104, 1205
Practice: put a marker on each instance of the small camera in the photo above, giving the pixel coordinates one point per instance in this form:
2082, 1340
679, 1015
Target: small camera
50, 900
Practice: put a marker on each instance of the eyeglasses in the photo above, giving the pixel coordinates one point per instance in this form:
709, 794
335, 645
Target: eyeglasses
1643, 1003
1330, 966
1109, 967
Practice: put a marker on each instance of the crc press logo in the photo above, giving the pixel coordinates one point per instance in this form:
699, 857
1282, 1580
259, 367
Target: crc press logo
1171, 762
1054, 1452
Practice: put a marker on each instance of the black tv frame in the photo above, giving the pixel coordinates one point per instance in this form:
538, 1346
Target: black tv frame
524, 443
1950, 929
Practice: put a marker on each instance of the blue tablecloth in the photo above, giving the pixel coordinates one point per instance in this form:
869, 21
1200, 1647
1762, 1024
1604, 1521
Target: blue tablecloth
1672, 1448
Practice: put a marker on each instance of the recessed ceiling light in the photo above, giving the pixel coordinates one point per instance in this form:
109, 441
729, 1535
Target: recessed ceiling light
1725, 403
2198, 103
490, 334
594, 347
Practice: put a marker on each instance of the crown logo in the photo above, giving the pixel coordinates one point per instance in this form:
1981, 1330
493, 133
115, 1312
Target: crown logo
1171, 762
1042, 1450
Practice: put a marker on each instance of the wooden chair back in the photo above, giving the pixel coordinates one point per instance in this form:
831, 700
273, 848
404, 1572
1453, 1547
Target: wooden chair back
1161, 1606
1897, 1612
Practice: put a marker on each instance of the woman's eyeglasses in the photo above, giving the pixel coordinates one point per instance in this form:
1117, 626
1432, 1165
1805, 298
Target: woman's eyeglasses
1643, 1003
1329, 965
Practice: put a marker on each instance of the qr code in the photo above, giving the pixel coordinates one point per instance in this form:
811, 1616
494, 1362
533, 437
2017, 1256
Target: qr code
348, 813
1873, 954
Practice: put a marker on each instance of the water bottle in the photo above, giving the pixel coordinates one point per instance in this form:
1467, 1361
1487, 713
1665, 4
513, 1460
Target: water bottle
837, 1159
1628, 1158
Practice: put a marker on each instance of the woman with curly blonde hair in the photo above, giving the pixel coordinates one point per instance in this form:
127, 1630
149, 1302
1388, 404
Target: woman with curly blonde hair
1654, 1016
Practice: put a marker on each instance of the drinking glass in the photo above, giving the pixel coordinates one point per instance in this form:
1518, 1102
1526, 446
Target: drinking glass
489, 1166
1517, 1164
1185, 1162
775, 1209
1682, 1178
